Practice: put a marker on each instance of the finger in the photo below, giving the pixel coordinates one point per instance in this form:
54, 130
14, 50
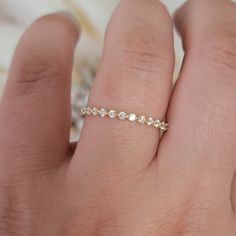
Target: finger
200, 145
35, 108
135, 76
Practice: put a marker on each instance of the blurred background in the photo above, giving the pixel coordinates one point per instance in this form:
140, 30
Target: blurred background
17, 15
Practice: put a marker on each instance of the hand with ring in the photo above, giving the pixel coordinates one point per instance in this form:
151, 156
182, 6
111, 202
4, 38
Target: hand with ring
125, 176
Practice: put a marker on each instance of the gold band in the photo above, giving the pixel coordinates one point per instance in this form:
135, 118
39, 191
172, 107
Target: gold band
111, 113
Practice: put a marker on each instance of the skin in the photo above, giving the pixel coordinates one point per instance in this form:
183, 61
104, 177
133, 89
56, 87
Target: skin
123, 178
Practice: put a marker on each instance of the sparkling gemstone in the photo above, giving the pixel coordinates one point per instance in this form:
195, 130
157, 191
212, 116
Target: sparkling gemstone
89, 110
83, 111
157, 123
102, 112
166, 126
112, 114
163, 126
141, 119
94, 111
122, 115
132, 117
150, 121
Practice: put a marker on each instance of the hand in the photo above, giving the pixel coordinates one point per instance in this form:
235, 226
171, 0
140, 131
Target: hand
123, 178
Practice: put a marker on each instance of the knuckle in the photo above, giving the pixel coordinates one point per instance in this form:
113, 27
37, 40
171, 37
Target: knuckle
141, 45
142, 50
12, 215
192, 226
188, 222
143, 53
37, 73
11, 223
219, 51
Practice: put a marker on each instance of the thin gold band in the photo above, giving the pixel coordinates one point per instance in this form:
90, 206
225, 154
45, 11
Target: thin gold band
111, 113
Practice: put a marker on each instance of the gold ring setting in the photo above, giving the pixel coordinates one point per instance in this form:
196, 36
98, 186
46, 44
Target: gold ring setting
121, 115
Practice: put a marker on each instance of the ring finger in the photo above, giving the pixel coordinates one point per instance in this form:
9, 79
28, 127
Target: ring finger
135, 76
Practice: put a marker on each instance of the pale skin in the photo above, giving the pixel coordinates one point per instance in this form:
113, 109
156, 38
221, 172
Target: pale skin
122, 178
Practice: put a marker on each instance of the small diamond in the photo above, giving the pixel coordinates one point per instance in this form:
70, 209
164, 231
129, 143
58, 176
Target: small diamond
150, 121
89, 110
141, 119
112, 114
102, 112
132, 117
166, 126
122, 115
94, 111
157, 123
83, 111
163, 126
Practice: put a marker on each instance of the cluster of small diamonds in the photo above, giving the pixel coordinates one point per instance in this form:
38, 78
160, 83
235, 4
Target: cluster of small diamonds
141, 119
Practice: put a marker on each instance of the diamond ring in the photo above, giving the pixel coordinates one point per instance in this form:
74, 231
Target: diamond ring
111, 113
